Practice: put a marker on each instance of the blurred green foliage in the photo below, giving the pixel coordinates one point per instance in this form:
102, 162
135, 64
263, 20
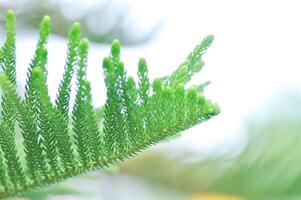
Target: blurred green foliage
267, 167
57, 190
101, 22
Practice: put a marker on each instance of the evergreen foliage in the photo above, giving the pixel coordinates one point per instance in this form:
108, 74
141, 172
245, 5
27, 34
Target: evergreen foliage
134, 116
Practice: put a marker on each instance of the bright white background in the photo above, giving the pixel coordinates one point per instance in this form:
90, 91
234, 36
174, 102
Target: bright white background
256, 53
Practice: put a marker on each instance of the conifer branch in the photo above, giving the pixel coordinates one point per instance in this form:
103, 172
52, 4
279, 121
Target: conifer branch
134, 116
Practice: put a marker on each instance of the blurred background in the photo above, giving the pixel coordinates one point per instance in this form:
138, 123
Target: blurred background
249, 151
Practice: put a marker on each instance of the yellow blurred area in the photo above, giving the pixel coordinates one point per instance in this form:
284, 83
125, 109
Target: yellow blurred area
212, 197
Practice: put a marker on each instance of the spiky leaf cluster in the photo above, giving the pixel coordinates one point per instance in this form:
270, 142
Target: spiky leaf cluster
59, 142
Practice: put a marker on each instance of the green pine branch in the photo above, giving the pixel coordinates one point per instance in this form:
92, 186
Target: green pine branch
135, 115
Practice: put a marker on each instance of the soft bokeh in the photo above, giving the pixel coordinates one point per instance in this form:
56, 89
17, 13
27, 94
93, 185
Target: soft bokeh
254, 65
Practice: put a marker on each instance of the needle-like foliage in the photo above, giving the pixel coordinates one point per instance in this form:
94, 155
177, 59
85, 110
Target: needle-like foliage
134, 116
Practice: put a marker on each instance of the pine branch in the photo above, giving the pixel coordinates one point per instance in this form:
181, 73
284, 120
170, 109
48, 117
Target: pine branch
7, 139
80, 127
134, 116
62, 101
28, 114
